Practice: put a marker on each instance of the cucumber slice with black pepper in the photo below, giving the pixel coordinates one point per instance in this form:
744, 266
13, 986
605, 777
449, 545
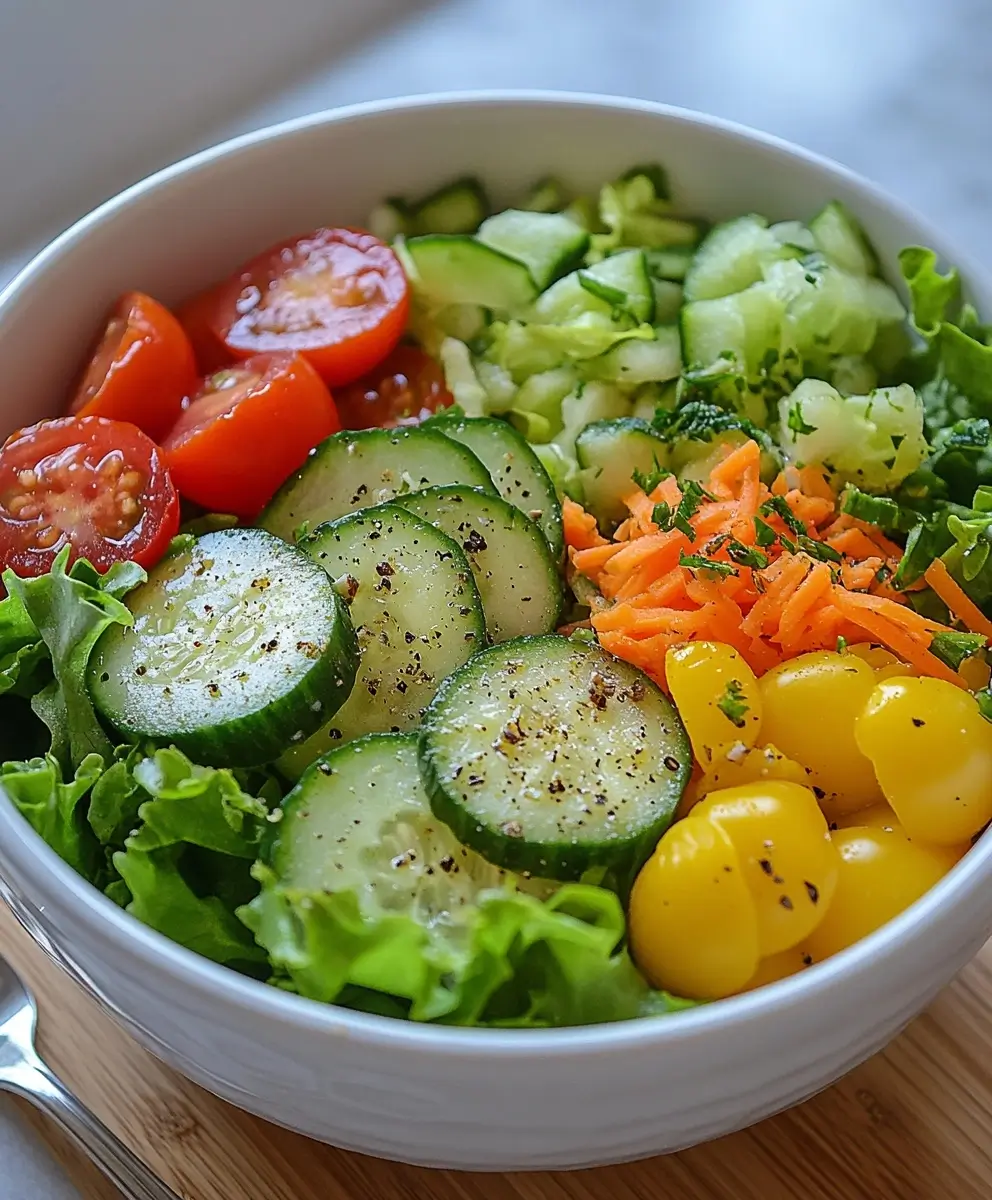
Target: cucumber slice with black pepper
552, 757
417, 616
240, 645
516, 576
361, 468
359, 820
514, 467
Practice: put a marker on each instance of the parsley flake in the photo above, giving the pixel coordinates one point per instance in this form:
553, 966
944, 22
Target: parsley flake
733, 704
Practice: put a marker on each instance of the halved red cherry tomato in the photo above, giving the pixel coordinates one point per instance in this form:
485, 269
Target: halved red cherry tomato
142, 369
249, 427
339, 297
98, 486
198, 317
406, 387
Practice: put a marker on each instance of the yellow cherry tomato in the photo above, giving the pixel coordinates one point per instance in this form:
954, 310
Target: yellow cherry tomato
975, 671
881, 873
717, 696
750, 766
879, 816
881, 660
788, 861
780, 966
809, 706
692, 923
931, 750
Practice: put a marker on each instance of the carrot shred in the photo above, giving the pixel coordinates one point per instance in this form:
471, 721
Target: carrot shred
771, 602
956, 599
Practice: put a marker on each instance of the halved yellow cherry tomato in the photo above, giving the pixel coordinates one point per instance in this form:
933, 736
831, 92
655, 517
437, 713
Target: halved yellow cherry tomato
789, 864
717, 696
756, 765
809, 707
881, 873
879, 816
780, 966
693, 926
931, 750
881, 660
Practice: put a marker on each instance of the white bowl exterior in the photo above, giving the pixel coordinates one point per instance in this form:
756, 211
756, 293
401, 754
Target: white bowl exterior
460, 1098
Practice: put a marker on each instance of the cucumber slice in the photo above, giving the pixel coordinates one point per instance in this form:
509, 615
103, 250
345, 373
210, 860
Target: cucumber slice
569, 299
359, 820
459, 207
514, 468
746, 326
361, 468
622, 281
540, 396
416, 612
671, 263
730, 258
452, 269
548, 244
547, 195
635, 362
668, 298
516, 576
609, 452
551, 756
840, 238
239, 647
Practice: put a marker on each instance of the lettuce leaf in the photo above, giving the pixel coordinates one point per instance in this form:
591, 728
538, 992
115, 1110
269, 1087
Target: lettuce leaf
69, 611
525, 962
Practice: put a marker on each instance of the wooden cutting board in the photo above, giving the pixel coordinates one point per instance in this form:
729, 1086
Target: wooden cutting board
914, 1123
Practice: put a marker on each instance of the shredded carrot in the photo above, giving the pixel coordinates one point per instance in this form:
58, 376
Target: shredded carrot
954, 596
770, 601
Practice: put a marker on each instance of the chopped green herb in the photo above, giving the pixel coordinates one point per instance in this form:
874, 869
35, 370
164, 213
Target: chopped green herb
984, 701
878, 510
763, 533
732, 703
692, 496
819, 550
746, 556
696, 562
796, 423
953, 648
841, 644
647, 481
779, 506
662, 515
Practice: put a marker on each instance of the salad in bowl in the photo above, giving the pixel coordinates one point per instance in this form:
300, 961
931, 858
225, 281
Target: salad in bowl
535, 617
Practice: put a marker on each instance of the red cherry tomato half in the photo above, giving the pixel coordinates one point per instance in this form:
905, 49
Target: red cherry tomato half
98, 486
339, 297
142, 369
405, 388
249, 427
198, 317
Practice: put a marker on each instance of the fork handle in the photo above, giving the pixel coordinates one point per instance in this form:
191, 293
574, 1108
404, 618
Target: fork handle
123, 1168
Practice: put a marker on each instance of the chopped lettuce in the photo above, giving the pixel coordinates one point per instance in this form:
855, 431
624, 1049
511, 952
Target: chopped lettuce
526, 962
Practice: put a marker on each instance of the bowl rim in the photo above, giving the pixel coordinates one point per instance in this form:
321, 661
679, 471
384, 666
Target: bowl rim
261, 999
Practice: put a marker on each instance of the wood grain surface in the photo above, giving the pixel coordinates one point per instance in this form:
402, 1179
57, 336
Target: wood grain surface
914, 1123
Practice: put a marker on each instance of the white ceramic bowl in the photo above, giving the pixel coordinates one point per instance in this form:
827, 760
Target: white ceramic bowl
454, 1097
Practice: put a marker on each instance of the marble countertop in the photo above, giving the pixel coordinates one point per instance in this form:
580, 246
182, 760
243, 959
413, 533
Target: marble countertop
897, 89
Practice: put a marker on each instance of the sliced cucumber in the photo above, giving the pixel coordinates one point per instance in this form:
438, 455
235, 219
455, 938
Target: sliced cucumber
459, 207
539, 397
671, 263
239, 647
548, 244
840, 238
546, 196
635, 362
746, 326
359, 820
668, 298
568, 300
514, 468
730, 258
622, 281
609, 452
416, 612
510, 558
551, 756
360, 468
452, 269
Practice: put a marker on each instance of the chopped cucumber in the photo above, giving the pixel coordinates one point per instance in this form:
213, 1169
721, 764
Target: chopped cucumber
459, 207
668, 300
540, 396
593, 401
548, 244
622, 281
550, 756
745, 326
453, 269
239, 647
359, 468
840, 238
609, 452
671, 263
514, 571
416, 612
730, 258
359, 820
514, 468
635, 362
546, 196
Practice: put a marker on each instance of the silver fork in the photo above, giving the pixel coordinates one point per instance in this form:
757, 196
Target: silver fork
23, 1073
